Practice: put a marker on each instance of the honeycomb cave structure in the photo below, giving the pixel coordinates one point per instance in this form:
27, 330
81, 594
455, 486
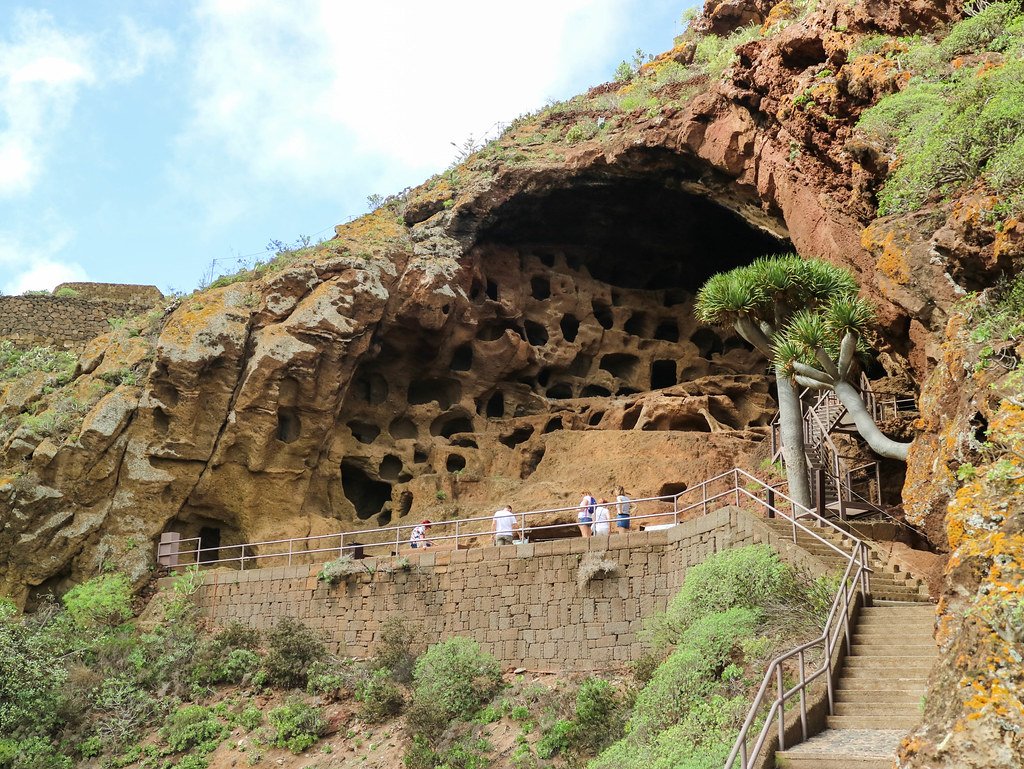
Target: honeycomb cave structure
576, 314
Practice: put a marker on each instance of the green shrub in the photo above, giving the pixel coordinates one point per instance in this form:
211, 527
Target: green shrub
451, 681
291, 649
228, 657
599, 720
194, 727
691, 673
250, 718
297, 725
122, 709
32, 753
15, 363
332, 676
742, 577
395, 648
32, 675
379, 697
192, 761
556, 739
715, 54
949, 126
337, 570
101, 601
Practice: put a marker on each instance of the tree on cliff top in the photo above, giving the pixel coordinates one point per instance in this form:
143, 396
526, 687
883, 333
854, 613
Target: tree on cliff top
770, 303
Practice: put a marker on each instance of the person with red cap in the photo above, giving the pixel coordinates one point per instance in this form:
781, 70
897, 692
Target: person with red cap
419, 536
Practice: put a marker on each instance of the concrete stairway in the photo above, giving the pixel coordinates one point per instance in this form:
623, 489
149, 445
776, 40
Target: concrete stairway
878, 693
888, 581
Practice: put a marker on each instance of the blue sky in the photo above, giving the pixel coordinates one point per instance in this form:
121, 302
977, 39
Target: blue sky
142, 139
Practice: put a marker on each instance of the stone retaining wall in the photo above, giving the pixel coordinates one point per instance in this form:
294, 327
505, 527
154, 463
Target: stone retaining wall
520, 602
65, 323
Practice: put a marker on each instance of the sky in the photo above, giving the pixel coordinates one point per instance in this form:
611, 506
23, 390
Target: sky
155, 141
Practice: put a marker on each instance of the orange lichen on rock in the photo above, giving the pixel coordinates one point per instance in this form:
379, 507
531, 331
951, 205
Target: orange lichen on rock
892, 260
780, 12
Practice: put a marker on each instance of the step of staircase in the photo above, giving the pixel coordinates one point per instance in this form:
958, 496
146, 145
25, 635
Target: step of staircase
878, 693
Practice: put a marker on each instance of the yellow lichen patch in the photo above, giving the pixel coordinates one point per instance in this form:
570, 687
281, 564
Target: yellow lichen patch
780, 12
1008, 239
194, 314
891, 258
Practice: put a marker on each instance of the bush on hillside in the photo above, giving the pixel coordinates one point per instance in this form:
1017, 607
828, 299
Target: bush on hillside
451, 681
952, 125
379, 697
101, 601
291, 648
395, 648
297, 725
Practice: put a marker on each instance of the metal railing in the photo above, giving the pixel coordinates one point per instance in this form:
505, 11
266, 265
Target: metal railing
734, 487
837, 626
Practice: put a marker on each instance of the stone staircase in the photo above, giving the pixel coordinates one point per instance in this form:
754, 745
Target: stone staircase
888, 581
879, 691
882, 680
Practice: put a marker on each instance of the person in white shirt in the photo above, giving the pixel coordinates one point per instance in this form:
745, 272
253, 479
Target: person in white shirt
623, 504
504, 525
585, 514
419, 536
601, 519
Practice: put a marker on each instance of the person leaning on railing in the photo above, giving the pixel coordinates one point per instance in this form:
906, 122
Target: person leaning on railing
623, 504
503, 526
419, 536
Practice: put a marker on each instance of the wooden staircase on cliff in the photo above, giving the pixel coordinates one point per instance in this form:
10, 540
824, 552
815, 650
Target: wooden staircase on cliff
879, 691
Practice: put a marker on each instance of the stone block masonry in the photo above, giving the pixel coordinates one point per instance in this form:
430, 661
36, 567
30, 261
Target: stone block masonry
67, 323
520, 602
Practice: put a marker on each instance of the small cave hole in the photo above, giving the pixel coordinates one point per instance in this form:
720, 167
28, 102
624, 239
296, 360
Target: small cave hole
289, 426
455, 463
390, 468
532, 461
368, 496
445, 309
736, 343
496, 406
385, 517
552, 425
364, 432
546, 258
671, 489
627, 391
631, 416
595, 391
462, 358
372, 388
603, 315
517, 436
636, 325
707, 341
581, 364
402, 428
595, 418
663, 374
448, 425
405, 501
573, 261
544, 377
491, 332
209, 541
540, 287
980, 425
492, 290
161, 422
570, 328
667, 331
619, 364
560, 391
446, 392
419, 456
536, 334
465, 442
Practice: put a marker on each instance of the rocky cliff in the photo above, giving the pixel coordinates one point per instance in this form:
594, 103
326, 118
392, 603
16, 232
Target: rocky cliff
519, 328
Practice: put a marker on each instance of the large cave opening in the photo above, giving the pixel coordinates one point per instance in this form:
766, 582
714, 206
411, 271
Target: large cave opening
645, 232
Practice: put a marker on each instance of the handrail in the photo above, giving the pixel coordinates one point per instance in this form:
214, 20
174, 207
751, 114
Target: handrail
836, 624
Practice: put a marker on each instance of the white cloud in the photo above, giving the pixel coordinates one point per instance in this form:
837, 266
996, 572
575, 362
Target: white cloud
43, 70
311, 92
36, 265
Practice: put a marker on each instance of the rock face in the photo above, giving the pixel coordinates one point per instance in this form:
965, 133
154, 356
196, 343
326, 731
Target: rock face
965, 483
520, 328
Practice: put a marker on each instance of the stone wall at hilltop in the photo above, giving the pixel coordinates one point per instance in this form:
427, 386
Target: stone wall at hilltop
68, 322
